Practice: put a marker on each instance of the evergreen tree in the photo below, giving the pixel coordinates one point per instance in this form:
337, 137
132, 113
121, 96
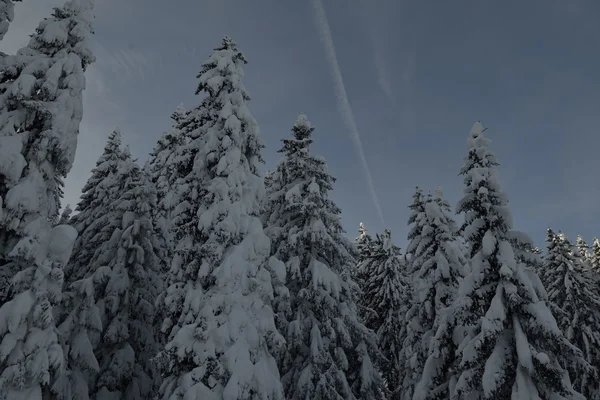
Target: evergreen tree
163, 168
439, 265
222, 334
575, 303
330, 354
595, 256
384, 299
529, 256
126, 300
31, 357
584, 251
95, 220
362, 249
362, 242
40, 111
508, 343
417, 210
7, 14
65, 216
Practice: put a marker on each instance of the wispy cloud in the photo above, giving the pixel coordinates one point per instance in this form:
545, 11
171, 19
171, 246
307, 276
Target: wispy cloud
342, 98
383, 79
129, 63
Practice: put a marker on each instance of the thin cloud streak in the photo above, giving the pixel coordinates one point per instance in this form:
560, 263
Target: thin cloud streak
129, 63
342, 98
383, 78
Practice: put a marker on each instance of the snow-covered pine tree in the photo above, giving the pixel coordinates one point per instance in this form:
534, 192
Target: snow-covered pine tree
439, 267
384, 300
330, 354
7, 14
108, 309
31, 358
362, 248
164, 170
575, 303
94, 220
222, 329
126, 299
362, 241
417, 209
584, 251
595, 255
529, 255
65, 216
40, 111
509, 344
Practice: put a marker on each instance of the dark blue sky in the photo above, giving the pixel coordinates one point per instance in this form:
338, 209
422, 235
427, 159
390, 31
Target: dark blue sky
417, 74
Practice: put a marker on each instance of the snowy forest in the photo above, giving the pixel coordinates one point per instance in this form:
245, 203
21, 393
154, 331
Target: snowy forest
197, 276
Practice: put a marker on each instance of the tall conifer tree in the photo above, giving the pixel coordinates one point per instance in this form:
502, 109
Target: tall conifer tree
439, 267
330, 354
507, 342
220, 324
572, 294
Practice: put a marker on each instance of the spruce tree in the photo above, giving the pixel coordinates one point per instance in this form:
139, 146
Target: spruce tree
65, 216
31, 358
362, 249
595, 256
384, 300
363, 241
439, 267
417, 209
127, 296
330, 354
574, 300
40, 111
508, 344
222, 334
7, 14
163, 168
530, 257
584, 251
95, 220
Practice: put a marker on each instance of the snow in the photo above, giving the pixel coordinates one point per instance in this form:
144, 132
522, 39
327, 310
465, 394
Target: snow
498, 316
320, 301
218, 313
62, 239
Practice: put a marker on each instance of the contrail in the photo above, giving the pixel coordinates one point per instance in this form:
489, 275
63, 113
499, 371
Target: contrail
342, 97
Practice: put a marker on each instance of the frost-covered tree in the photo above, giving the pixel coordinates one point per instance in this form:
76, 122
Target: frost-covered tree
164, 169
362, 241
31, 358
126, 299
417, 208
595, 255
584, 250
95, 221
530, 256
40, 111
508, 343
107, 331
439, 267
575, 303
330, 354
384, 300
7, 14
362, 248
222, 334
65, 216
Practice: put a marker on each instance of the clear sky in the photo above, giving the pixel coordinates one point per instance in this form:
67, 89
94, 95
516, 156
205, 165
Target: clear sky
416, 75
